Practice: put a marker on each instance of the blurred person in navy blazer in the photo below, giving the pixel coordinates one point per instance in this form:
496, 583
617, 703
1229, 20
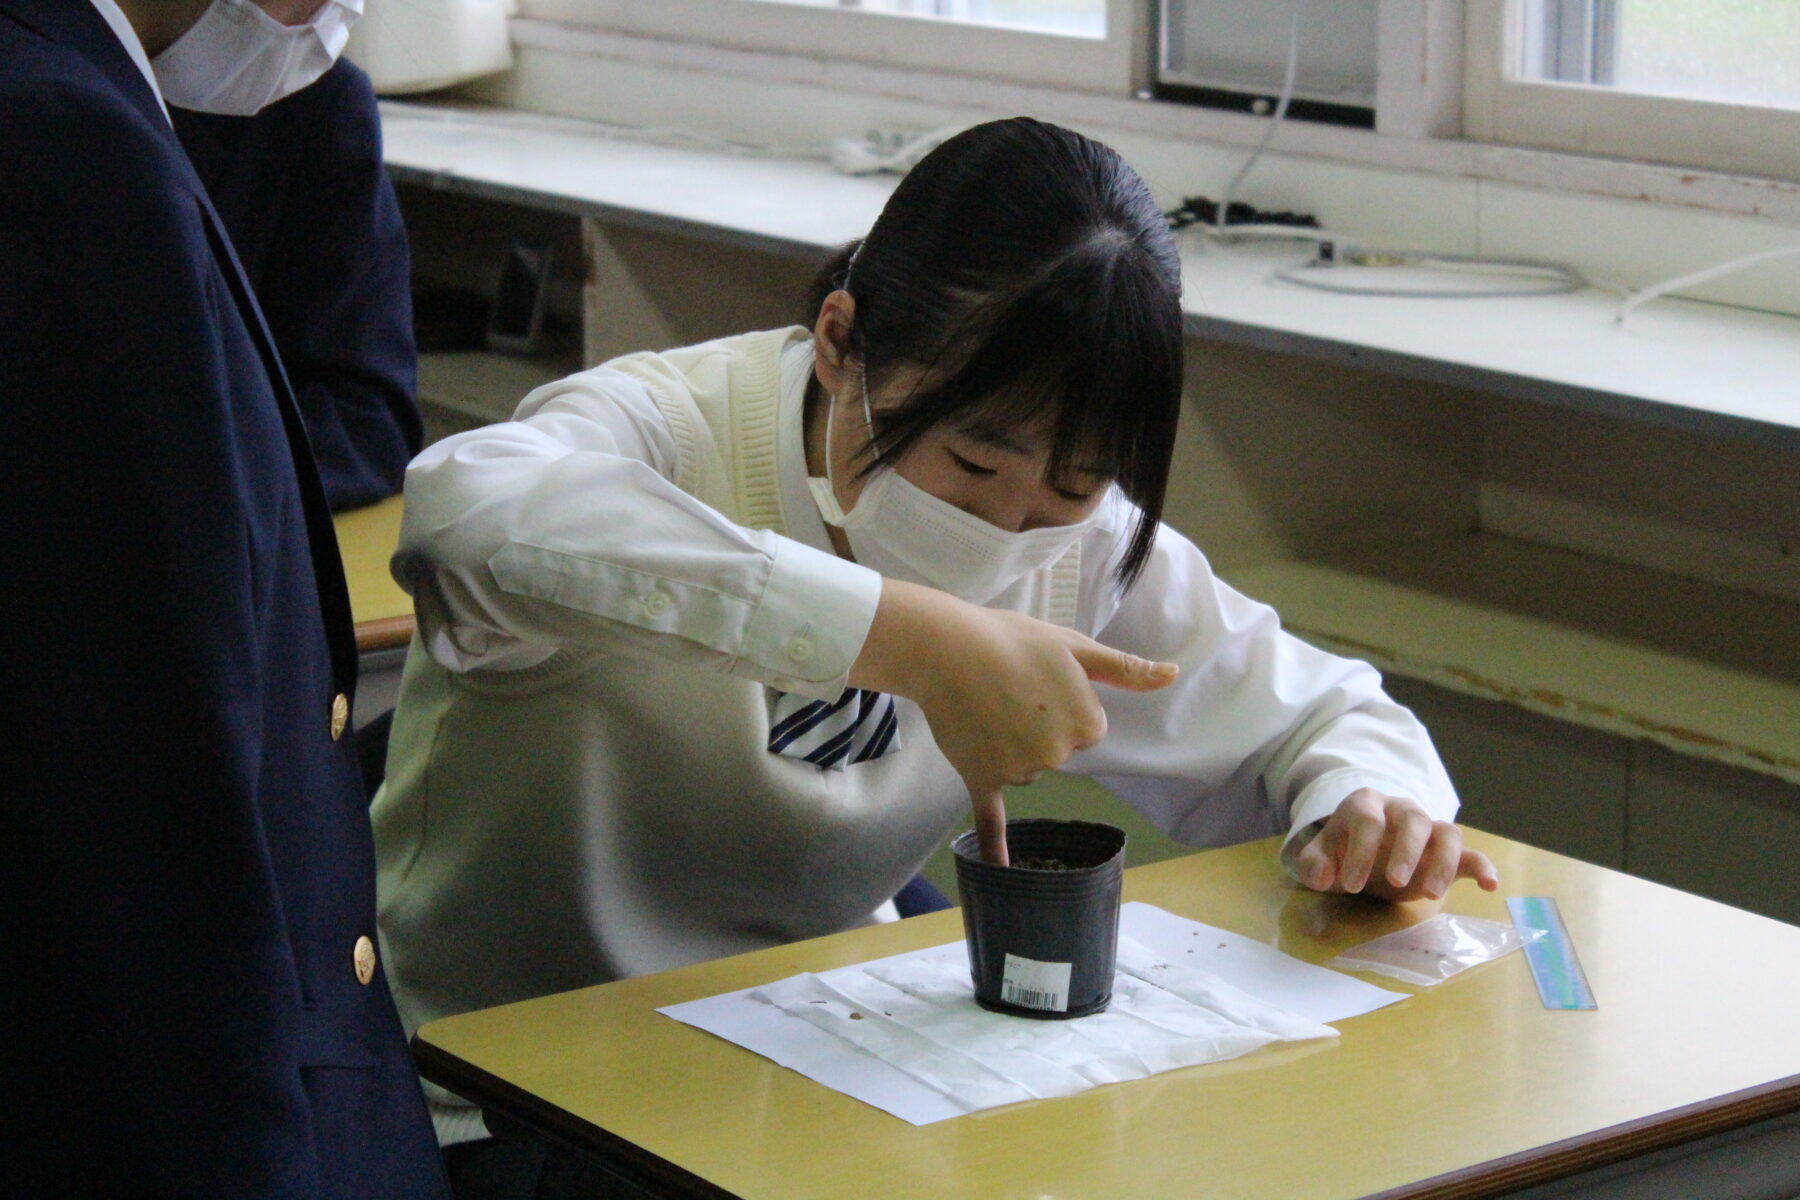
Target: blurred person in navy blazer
194, 1002
313, 217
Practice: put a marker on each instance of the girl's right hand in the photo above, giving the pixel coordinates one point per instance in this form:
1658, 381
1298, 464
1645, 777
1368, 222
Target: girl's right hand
1007, 696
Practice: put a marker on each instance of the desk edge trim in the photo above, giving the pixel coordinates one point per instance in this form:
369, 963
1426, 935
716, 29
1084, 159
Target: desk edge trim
384, 633
1604, 1147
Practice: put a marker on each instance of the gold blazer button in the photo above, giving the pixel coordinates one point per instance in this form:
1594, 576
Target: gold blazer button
364, 959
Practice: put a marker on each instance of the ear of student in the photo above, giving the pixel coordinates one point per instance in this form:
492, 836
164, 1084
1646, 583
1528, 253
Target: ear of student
832, 359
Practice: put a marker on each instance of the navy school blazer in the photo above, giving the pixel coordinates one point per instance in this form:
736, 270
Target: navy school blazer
185, 858
315, 223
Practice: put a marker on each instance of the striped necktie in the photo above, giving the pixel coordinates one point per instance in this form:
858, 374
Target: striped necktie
857, 727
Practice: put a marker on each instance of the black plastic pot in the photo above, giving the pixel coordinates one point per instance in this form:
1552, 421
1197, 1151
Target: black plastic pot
1043, 942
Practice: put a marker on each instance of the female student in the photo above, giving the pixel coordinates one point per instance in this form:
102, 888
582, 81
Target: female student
717, 645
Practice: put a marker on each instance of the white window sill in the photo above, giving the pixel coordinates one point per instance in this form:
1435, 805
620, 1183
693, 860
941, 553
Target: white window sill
1440, 609
1701, 367
1710, 191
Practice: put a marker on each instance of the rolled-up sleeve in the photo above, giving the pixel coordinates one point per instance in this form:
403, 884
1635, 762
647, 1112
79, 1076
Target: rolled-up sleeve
564, 529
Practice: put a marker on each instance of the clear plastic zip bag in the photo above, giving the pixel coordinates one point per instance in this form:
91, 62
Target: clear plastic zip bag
1435, 949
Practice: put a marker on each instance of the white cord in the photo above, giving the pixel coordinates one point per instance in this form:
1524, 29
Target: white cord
1650, 293
1557, 278
893, 152
1281, 106
1338, 249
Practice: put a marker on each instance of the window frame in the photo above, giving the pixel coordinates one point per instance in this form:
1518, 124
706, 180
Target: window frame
1113, 65
1418, 78
1501, 108
1443, 99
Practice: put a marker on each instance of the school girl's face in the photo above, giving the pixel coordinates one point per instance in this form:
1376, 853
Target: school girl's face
999, 475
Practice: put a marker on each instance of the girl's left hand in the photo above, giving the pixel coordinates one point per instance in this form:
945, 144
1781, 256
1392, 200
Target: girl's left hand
1388, 847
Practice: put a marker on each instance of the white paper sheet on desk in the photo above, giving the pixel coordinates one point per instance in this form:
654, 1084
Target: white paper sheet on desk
1262, 996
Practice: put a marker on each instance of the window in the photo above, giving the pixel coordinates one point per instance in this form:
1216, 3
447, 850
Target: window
1740, 52
1707, 83
1086, 45
1077, 18
1214, 50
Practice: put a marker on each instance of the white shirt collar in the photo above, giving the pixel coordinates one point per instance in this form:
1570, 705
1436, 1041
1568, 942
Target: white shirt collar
121, 27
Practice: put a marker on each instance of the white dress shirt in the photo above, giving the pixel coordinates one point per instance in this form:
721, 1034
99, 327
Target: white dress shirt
579, 786
567, 528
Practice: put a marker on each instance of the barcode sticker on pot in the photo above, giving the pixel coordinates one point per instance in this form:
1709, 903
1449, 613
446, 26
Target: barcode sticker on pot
1029, 983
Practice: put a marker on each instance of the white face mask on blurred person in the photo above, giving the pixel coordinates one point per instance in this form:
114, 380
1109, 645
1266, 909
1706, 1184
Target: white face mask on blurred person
237, 59
903, 531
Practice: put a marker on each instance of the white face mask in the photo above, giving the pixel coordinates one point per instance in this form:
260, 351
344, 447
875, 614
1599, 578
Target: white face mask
237, 59
903, 531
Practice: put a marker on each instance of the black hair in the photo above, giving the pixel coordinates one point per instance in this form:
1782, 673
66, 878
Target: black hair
1027, 272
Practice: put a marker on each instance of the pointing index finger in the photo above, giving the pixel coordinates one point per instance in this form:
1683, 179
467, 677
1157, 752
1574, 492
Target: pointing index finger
1116, 668
990, 827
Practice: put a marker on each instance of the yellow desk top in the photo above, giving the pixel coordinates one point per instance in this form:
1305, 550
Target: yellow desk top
1466, 1089
366, 540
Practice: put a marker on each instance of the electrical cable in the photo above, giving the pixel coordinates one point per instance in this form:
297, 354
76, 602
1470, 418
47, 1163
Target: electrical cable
897, 153
1645, 295
1337, 250
1557, 278
891, 151
1275, 118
